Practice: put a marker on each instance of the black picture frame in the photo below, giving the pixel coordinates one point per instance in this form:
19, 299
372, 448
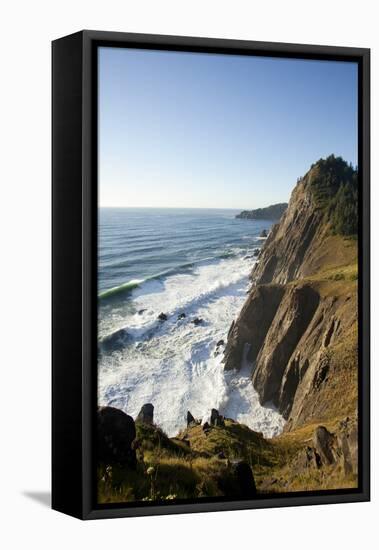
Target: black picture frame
74, 269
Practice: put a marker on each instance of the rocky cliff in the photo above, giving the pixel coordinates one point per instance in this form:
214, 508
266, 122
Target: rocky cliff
299, 322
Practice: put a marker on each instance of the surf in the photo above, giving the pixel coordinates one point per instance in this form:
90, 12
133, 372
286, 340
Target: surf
175, 363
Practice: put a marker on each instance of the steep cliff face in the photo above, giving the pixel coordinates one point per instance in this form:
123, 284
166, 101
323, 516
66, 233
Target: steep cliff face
252, 325
292, 318
286, 252
323, 205
300, 318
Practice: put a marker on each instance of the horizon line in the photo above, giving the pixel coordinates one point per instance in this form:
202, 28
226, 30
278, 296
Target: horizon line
189, 207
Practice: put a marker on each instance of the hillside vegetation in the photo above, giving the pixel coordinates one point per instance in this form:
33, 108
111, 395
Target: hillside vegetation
334, 187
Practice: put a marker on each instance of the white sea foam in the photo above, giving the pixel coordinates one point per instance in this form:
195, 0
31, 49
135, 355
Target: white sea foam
172, 364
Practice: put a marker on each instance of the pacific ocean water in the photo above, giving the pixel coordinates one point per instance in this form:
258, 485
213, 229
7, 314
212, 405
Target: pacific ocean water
187, 264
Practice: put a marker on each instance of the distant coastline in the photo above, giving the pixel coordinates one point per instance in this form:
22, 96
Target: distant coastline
272, 212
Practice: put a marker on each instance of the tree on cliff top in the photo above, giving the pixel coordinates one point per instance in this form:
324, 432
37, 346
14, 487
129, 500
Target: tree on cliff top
334, 186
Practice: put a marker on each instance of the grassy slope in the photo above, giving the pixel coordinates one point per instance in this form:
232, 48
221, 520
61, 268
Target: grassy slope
169, 468
336, 274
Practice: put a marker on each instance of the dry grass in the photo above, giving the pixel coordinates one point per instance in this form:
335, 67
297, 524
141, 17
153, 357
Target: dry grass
312, 479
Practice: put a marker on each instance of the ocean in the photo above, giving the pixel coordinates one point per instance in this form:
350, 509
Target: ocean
194, 262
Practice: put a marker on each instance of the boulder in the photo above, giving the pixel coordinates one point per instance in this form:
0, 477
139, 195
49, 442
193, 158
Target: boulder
115, 341
181, 316
348, 443
324, 443
263, 233
352, 441
220, 343
162, 317
115, 434
256, 252
239, 482
197, 321
216, 418
146, 414
244, 477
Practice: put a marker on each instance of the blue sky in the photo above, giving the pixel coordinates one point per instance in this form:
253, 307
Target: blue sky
217, 131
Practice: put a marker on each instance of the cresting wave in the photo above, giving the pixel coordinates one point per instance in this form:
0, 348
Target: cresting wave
126, 287
144, 323
135, 283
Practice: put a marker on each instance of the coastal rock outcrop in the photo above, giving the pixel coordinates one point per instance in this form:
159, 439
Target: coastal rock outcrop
191, 421
146, 414
115, 434
115, 341
216, 418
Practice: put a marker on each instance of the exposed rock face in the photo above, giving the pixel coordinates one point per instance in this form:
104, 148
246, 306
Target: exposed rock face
298, 245
252, 324
115, 434
291, 321
322, 370
324, 443
348, 442
146, 414
333, 449
288, 250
